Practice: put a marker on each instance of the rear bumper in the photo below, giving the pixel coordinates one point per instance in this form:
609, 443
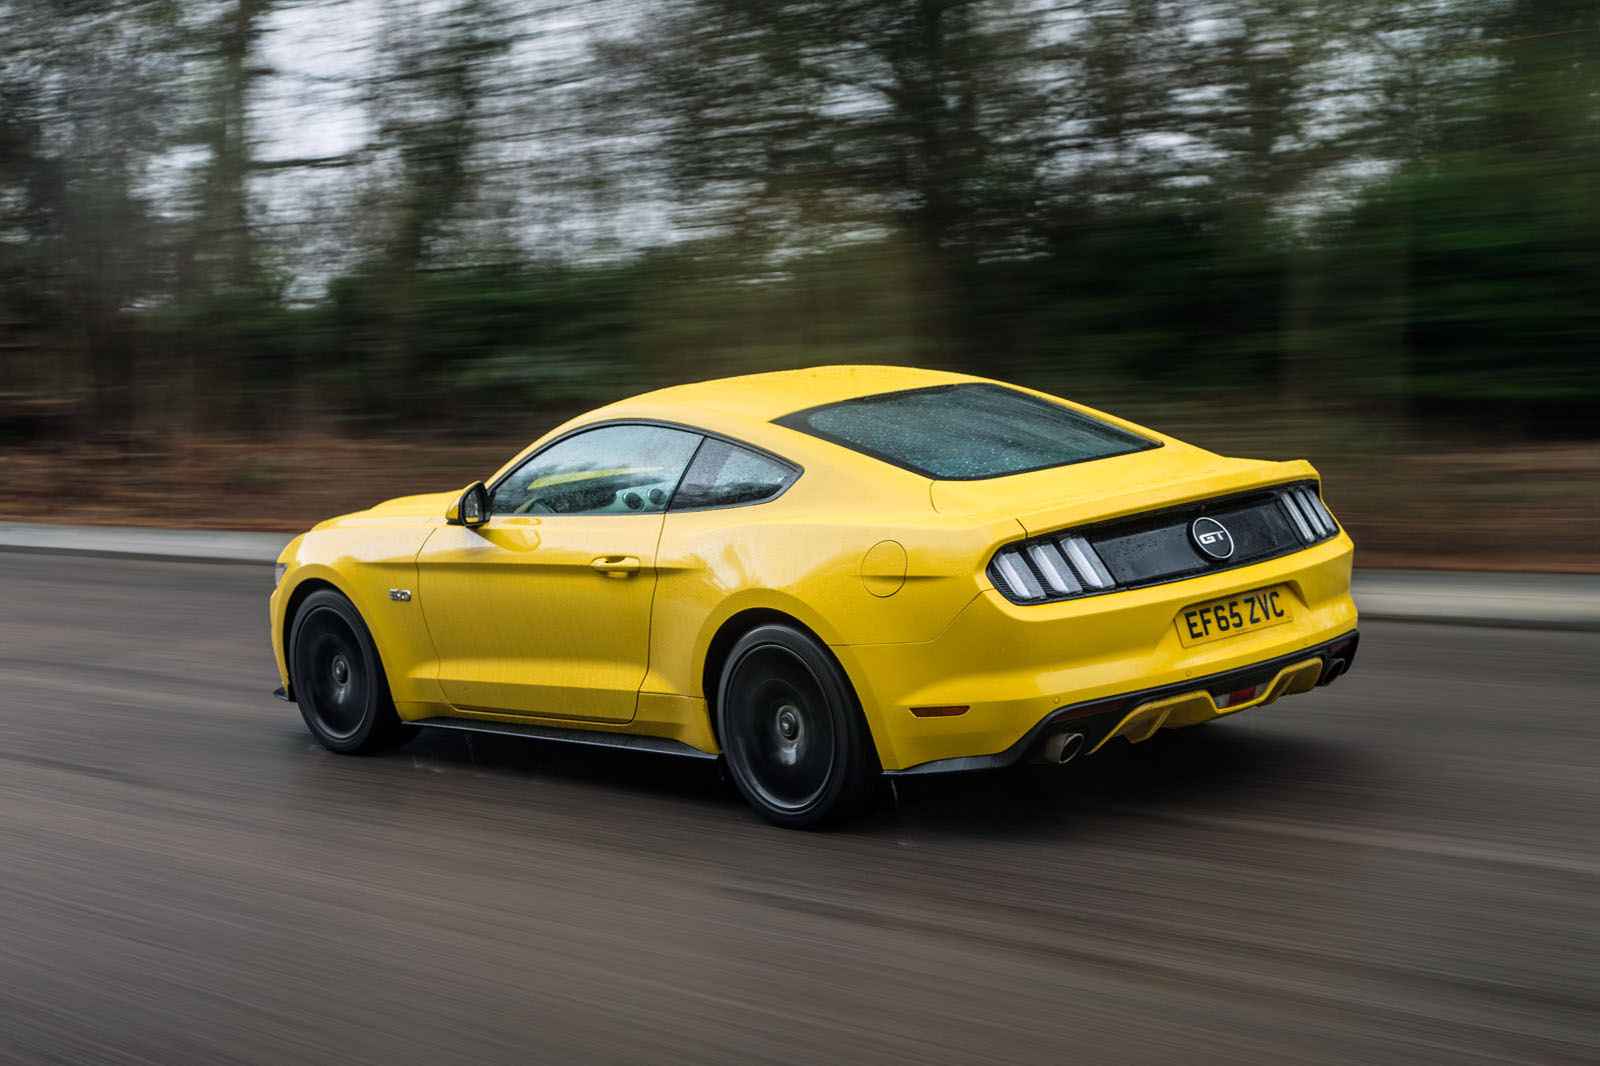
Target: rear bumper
1014, 667
1139, 715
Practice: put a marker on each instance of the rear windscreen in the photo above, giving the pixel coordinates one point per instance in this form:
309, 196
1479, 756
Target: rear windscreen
966, 432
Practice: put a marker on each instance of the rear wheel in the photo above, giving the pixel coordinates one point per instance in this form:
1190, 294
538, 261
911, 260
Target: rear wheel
338, 680
792, 731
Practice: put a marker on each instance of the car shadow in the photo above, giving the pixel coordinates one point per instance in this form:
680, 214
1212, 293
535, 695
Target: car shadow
643, 773
1226, 768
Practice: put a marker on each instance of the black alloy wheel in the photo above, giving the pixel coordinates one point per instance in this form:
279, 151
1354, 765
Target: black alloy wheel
337, 678
792, 730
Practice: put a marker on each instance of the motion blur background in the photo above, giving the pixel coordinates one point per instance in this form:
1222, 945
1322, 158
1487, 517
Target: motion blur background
262, 261
265, 261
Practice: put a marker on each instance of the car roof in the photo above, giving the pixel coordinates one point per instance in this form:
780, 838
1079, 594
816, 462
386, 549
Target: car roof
744, 408
764, 397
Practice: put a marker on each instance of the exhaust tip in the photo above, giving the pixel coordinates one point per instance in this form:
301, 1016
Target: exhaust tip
1060, 748
1333, 671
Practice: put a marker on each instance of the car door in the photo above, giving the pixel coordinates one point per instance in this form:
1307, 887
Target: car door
544, 610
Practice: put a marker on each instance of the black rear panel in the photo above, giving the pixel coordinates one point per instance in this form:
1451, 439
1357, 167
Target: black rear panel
1151, 548
1161, 546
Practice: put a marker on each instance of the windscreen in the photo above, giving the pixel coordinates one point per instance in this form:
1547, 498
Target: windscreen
966, 432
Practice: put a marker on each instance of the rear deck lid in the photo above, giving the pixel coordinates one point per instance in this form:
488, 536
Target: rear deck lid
1070, 496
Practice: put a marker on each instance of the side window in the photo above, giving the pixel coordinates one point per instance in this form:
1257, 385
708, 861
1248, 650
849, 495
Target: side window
610, 470
724, 475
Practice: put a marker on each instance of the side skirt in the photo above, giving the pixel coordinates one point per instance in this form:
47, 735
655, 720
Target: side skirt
626, 741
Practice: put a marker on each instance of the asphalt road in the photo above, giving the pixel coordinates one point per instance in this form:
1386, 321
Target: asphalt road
1404, 868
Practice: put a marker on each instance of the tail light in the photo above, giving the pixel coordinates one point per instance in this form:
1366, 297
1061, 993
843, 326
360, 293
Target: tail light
1309, 514
1049, 568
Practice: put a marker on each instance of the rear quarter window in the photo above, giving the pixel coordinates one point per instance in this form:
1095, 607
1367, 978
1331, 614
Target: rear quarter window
726, 475
966, 432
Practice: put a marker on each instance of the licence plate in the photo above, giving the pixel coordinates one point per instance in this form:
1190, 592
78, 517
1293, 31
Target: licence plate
1244, 613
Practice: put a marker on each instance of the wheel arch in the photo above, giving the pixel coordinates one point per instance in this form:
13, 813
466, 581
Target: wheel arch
742, 622
291, 607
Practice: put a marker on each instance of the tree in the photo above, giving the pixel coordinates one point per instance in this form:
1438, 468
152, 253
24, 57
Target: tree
83, 126
791, 125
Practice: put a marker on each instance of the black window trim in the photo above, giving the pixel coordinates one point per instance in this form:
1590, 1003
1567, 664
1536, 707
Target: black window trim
795, 420
796, 470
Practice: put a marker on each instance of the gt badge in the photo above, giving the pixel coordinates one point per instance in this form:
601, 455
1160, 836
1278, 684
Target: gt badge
403, 595
1212, 538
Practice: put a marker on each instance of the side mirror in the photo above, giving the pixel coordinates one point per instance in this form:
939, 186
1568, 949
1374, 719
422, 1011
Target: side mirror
471, 508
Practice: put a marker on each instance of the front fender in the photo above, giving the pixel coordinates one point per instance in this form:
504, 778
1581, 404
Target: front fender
363, 561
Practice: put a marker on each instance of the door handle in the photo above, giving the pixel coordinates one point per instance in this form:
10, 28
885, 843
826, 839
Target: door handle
616, 565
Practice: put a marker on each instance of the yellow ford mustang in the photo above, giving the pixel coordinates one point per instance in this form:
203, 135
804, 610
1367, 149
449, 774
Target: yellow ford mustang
819, 575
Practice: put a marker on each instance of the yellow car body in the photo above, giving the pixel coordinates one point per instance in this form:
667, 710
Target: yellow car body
615, 626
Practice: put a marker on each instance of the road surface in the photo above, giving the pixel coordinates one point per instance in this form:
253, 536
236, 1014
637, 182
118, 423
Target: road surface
1404, 868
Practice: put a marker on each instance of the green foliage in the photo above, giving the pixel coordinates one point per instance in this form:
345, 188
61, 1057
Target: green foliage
1395, 201
1500, 301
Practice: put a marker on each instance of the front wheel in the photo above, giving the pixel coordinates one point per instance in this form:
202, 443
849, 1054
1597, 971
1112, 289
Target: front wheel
338, 680
795, 741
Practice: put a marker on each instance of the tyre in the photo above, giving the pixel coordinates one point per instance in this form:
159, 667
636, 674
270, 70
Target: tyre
791, 730
338, 680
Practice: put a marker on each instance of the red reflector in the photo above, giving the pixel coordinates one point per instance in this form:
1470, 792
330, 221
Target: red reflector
1093, 708
1240, 695
938, 712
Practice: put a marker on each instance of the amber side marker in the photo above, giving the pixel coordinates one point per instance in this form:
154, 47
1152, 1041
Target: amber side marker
938, 712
